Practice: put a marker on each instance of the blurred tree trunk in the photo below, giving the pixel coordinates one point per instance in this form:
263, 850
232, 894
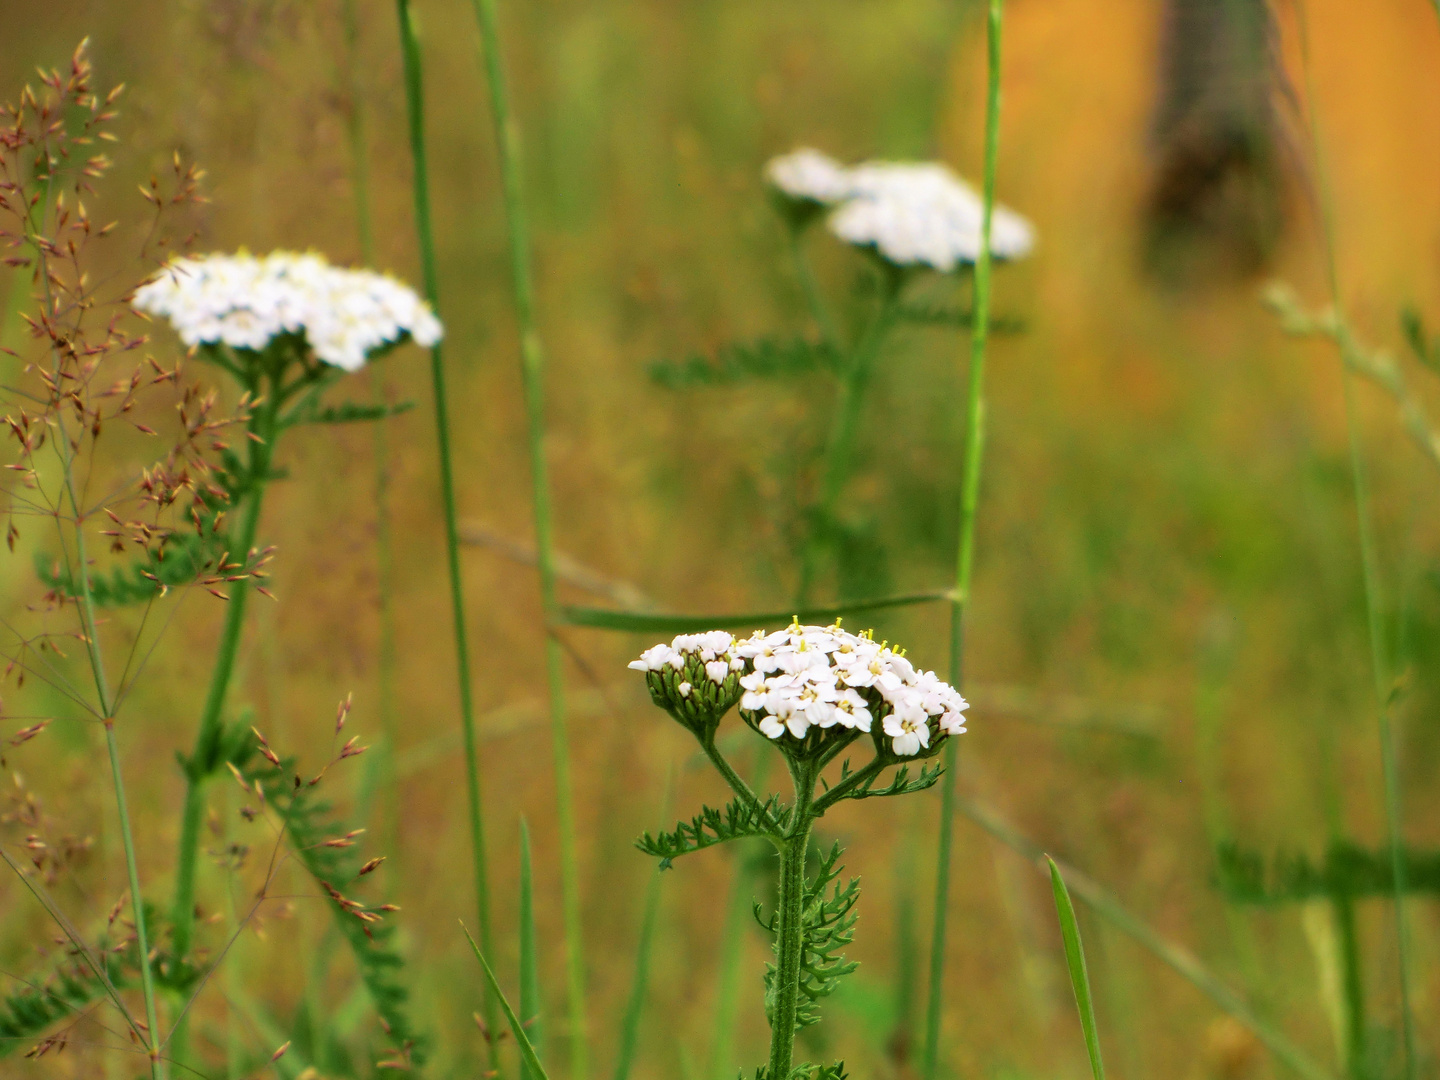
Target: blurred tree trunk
1215, 203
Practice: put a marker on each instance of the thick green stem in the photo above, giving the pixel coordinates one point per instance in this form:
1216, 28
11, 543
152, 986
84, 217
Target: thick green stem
415, 108
965, 545
1352, 986
840, 446
818, 311
532, 359
263, 428
790, 927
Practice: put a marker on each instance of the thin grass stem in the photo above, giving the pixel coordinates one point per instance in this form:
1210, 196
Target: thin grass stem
1370, 568
90, 630
532, 362
386, 655
965, 545
415, 109
529, 954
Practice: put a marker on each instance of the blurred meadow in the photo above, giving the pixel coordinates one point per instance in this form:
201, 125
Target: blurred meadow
1168, 651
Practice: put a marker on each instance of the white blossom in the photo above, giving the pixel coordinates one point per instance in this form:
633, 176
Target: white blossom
923, 214
807, 174
246, 301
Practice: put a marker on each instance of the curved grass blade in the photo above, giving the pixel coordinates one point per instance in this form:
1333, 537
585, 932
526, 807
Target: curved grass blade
650, 622
1079, 972
529, 961
527, 1049
1180, 960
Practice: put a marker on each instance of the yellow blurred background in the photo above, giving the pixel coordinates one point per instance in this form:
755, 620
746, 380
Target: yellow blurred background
1167, 643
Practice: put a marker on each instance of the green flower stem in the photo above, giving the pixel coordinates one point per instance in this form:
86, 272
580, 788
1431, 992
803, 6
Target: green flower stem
415, 108
818, 311
965, 548
532, 359
733, 778
263, 428
840, 447
790, 925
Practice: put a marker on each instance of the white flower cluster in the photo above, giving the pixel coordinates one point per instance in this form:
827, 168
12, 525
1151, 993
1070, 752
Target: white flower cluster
245, 301
712, 649
911, 213
809, 677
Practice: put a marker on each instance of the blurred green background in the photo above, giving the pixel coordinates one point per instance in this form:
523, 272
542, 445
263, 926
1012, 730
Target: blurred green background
1167, 642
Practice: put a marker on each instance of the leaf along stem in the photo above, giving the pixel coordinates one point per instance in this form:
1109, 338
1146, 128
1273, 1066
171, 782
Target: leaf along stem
965, 546
415, 109
640, 622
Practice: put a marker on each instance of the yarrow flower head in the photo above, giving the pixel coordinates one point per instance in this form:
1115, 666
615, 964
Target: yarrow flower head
923, 214
247, 301
909, 213
696, 678
810, 176
805, 687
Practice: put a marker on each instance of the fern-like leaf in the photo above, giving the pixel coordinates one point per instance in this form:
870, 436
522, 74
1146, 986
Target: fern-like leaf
311, 824
828, 926
1347, 870
350, 412
710, 827
763, 358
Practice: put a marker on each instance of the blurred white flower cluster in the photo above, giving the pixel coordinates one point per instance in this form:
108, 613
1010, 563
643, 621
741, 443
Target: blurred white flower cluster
911, 213
245, 301
809, 677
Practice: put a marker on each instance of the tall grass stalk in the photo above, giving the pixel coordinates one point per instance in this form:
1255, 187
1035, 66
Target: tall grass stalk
965, 545
532, 362
415, 109
529, 953
1370, 568
385, 660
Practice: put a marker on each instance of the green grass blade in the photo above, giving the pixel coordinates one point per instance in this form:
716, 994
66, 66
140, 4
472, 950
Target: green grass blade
1178, 959
532, 376
630, 1027
529, 960
425, 236
1079, 973
649, 622
517, 1029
